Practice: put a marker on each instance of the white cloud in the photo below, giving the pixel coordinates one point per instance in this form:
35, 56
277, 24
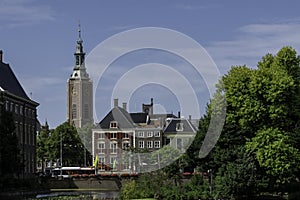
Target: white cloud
254, 41
24, 12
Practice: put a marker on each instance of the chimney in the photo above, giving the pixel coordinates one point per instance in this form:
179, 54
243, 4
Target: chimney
125, 106
151, 101
178, 114
1, 55
116, 102
190, 117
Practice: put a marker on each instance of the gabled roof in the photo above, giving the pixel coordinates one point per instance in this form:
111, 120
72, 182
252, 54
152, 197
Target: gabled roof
187, 126
121, 116
9, 82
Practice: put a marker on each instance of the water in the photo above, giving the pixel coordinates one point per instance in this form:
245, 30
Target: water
109, 195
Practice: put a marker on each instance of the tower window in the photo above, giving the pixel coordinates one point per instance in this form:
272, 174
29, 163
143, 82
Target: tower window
77, 60
86, 111
74, 111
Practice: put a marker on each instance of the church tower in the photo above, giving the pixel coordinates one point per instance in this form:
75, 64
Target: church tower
79, 90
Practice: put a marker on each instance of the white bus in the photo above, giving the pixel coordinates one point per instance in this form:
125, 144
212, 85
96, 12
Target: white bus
73, 172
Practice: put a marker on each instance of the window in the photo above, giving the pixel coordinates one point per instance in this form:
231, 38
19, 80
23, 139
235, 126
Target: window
126, 145
156, 144
74, 111
141, 134
179, 127
25, 139
6, 105
141, 144
21, 110
113, 147
74, 91
77, 60
150, 134
17, 109
101, 159
11, 107
33, 114
156, 134
113, 124
101, 148
113, 136
101, 136
126, 135
86, 111
21, 132
149, 144
113, 159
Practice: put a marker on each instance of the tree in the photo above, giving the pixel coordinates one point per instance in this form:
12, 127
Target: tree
42, 146
238, 178
66, 139
262, 117
10, 157
275, 152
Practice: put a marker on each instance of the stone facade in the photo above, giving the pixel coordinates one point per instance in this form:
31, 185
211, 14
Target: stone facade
79, 91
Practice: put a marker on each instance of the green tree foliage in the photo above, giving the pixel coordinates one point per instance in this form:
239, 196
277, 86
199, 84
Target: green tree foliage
275, 152
238, 178
42, 145
10, 157
262, 117
72, 148
258, 150
157, 185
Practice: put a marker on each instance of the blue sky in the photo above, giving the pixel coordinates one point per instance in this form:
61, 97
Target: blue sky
39, 38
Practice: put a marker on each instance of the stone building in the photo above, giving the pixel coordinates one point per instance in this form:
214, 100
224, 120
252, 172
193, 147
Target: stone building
79, 90
119, 133
14, 99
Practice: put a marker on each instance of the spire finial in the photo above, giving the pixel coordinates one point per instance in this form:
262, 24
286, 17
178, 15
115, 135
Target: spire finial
79, 32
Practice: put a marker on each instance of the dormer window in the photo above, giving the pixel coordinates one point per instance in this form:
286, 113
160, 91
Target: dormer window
113, 124
179, 127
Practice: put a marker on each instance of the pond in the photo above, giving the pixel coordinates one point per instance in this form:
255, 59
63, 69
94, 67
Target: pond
109, 195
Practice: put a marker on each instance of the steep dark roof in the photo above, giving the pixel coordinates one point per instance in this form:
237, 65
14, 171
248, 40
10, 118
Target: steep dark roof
119, 115
9, 82
139, 117
187, 126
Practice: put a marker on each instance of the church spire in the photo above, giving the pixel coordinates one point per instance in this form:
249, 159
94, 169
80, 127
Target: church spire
79, 40
79, 54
